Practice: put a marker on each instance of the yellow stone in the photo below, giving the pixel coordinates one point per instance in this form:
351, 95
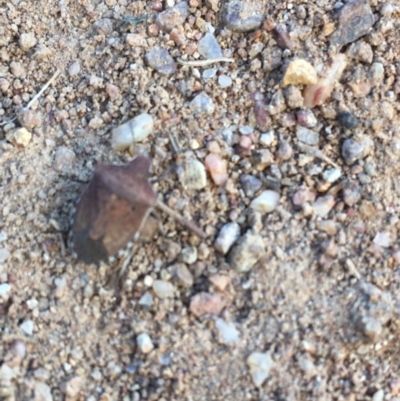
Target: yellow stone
300, 72
19, 137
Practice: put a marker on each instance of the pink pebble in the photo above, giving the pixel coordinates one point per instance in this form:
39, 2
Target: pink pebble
302, 196
217, 168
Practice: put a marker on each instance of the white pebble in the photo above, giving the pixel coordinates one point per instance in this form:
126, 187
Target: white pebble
27, 327
260, 365
32, 303
202, 104
227, 236
331, 175
74, 69
5, 291
4, 253
379, 395
209, 73
382, 239
122, 137
163, 289
228, 333
266, 202
144, 343
246, 130
20, 137
323, 205
146, 300
224, 81
142, 126
267, 138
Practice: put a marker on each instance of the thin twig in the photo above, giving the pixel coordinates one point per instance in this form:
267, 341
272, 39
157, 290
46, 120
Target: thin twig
35, 97
204, 63
186, 223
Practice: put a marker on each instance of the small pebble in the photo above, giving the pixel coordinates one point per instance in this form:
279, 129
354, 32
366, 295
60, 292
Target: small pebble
351, 193
173, 17
241, 16
17, 69
181, 274
42, 392
64, 159
29, 119
202, 104
74, 69
267, 138
27, 41
144, 343
17, 353
135, 130
5, 291
323, 205
302, 196
306, 118
266, 202
217, 169
195, 176
224, 81
227, 332
250, 184
352, 150
300, 72
332, 174
347, 120
72, 388
27, 327
227, 236
4, 255
163, 289
306, 135
382, 239
246, 130
146, 300
247, 251
113, 91
379, 395
205, 303
19, 137
209, 73
220, 281
260, 365
208, 47
188, 255
160, 60
285, 150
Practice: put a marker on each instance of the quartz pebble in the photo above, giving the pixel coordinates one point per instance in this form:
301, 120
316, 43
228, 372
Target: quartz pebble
202, 104
266, 202
144, 343
188, 255
205, 303
27, 327
247, 251
208, 47
173, 17
4, 255
217, 168
351, 193
302, 196
72, 388
227, 332
241, 16
323, 205
163, 289
134, 130
74, 69
210, 73
306, 118
260, 364
220, 281
146, 300
267, 138
194, 176
224, 81
27, 41
300, 72
19, 137
5, 291
64, 159
160, 60
332, 174
382, 239
227, 236
306, 135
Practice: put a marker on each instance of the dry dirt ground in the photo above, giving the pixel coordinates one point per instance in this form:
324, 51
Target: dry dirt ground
321, 306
